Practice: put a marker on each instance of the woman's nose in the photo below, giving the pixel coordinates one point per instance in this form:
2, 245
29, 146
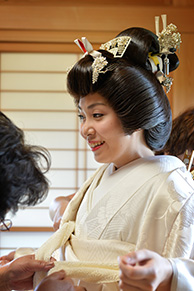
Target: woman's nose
87, 129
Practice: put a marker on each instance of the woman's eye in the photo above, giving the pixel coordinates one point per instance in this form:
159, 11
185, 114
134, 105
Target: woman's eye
81, 117
97, 115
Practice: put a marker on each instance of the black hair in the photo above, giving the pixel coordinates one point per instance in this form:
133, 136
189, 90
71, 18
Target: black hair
129, 86
22, 179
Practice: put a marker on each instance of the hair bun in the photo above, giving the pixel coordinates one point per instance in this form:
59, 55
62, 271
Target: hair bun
144, 42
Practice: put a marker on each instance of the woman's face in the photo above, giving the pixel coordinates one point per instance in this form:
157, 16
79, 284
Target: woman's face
103, 131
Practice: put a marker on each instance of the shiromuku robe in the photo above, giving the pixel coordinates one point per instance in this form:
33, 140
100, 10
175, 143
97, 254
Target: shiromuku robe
148, 203
183, 279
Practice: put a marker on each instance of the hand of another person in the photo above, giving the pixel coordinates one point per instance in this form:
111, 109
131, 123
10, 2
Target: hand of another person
7, 258
57, 208
57, 282
18, 274
144, 270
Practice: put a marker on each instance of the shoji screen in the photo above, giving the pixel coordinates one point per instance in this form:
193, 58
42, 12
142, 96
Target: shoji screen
33, 95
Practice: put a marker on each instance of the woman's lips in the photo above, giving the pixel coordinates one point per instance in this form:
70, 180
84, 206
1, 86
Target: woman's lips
95, 145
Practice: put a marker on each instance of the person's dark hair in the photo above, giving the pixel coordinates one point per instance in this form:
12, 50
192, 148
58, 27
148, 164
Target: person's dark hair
22, 179
131, 89
182, 134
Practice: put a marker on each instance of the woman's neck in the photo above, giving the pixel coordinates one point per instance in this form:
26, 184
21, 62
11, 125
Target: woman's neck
138, 149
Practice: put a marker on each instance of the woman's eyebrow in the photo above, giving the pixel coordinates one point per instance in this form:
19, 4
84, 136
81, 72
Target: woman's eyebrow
95, 104
92, 105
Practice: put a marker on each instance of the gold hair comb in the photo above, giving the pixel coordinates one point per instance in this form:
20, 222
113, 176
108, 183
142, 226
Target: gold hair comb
116, 46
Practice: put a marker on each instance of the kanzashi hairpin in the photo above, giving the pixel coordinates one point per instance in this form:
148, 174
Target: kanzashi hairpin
169, 41
86, 47
99, 61
116, 46
97, 66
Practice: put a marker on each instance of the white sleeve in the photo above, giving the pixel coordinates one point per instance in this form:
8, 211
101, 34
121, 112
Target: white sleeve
183, 274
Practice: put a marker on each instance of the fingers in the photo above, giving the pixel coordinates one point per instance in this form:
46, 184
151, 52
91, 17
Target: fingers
52, 259
129, 272
60, 275
3, 262
130, 283
29, 263
137, 257
142, 264
42, 266
140, 270
8, 257
56, 281
129, 278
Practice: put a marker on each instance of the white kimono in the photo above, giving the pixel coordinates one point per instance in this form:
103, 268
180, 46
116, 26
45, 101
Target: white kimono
149, 203
183, 278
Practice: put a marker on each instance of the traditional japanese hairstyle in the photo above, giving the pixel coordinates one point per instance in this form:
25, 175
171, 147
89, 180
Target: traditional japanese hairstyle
155, 52
121, 72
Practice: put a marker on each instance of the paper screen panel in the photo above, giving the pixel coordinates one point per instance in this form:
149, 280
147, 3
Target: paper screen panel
34, 97
37, 101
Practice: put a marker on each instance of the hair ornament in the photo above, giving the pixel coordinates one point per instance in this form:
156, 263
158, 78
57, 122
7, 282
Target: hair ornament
86, 47
99, 61
117, 46
81, 45
156, 62
97, 67
169, 41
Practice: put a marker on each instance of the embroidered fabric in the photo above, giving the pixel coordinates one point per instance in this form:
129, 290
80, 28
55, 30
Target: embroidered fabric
156, 203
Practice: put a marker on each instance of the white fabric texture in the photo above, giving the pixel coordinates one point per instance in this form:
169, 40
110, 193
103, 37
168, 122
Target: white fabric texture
183, 270
148, 203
